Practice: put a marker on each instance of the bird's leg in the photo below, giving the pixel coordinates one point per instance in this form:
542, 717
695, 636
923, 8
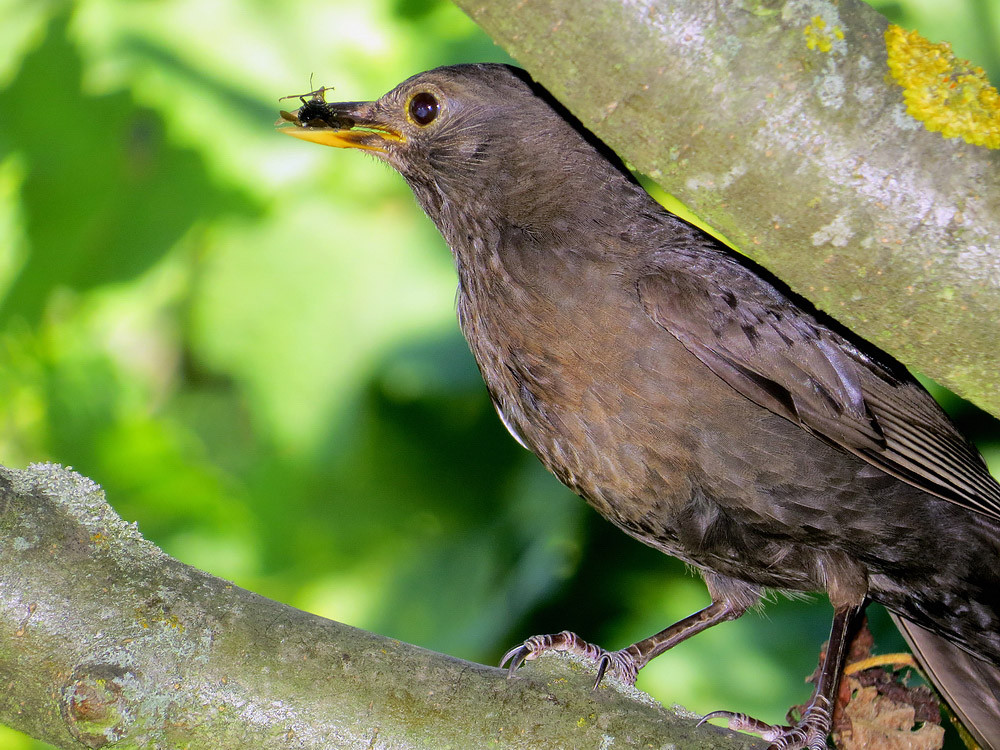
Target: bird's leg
624, 664
811, 730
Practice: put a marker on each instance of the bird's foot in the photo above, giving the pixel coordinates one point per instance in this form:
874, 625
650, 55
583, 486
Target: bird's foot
809, 733
621, 664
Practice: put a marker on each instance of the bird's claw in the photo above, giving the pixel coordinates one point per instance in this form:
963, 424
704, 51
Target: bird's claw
517, 656
744, 723
620, 664
807, 734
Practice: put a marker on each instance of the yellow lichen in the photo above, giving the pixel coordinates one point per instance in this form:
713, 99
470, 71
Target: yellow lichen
947, 94
817, 36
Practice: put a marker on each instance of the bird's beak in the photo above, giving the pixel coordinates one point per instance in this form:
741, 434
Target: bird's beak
342, 125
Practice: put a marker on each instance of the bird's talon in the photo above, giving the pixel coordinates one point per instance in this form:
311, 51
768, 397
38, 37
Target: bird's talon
744, 723
602, 667
533, 647
516, 656
727, 715
619, 663
807, 734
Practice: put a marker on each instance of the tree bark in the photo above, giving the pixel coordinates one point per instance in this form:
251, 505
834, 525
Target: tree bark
105, 639
778, 123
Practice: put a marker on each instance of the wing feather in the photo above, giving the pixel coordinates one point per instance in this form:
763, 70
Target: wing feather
776, 351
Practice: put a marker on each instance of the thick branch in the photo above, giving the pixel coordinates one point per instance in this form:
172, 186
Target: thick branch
788, 135
104, 638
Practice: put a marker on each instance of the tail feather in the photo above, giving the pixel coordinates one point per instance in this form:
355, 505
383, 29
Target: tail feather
970, 685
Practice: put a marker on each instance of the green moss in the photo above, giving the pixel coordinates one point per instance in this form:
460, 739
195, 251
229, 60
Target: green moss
947, 94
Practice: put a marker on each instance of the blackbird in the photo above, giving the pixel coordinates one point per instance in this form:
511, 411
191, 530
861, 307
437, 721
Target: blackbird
690, 397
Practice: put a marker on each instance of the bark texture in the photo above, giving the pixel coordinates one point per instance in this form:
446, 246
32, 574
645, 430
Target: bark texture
107, 641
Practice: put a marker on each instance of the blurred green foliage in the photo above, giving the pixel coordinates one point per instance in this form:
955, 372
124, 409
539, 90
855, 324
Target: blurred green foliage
250, 342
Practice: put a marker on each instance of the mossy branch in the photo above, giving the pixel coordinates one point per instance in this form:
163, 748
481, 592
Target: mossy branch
105, 640
780, 124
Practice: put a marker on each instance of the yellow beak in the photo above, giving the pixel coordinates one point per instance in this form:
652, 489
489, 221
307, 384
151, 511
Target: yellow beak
350, 126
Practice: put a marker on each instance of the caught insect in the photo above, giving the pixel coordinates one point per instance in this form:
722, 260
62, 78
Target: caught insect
315, 112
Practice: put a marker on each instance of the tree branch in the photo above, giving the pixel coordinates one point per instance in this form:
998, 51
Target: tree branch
104, 638
779, 124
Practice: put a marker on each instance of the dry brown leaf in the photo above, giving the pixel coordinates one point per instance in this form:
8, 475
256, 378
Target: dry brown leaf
875, 722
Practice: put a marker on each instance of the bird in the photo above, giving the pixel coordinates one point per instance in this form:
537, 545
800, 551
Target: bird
688, 395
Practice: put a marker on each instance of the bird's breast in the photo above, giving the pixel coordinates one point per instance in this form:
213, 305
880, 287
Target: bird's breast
578, 373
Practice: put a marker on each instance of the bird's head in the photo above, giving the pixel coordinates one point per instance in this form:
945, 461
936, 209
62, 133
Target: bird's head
483, 135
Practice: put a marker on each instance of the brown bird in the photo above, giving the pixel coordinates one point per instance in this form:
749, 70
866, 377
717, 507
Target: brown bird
691, 398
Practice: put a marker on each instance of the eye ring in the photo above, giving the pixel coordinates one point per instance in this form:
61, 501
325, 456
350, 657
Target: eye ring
423, 108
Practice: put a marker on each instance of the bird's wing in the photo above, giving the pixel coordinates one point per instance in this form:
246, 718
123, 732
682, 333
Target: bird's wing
770, 349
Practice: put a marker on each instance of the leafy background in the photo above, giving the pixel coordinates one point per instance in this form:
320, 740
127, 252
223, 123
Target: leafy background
250, 342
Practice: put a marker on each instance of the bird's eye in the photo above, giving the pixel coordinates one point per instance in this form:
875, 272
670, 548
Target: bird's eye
424, 108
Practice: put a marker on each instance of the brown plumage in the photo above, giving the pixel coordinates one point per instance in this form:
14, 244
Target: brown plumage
687, 395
